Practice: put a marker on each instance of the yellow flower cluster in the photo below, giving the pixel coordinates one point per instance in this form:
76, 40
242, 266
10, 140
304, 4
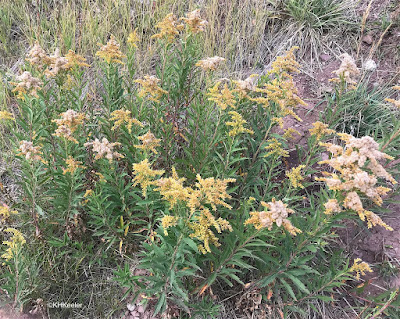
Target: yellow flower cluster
5, 115
169, 28
278, 120
274, 212
88, 193
280, 88
347, 71
124, 116
210, 64
37, 56
110, 52
360, 267
207, 191
104, 149
275, 148
133, 38
5, 213
237, 123
75, 60
212, 192
169, 221
358, 168
144, 175
68, 123
72, 165
150, 88
27, 84
223, 98
149, 142
195, 22
29, 151
332, 206
172, 189
55, 63
284, 65
396, 103
245, 86
201, 229
320, 129
289, 133
295, 177
281, 92
14, 244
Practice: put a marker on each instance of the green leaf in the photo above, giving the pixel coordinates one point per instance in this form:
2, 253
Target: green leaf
297, 282
288, 288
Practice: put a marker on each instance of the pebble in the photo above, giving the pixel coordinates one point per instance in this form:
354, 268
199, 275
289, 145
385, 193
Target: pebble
367, 39
325, 57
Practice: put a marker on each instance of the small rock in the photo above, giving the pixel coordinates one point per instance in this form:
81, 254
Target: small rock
367, 39
325, 57
131, 307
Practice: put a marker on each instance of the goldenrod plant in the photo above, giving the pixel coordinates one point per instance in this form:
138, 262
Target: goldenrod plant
188, 174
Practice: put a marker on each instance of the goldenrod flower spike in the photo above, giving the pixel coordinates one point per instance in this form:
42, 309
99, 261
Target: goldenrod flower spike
72, 166
169, 221
30, 152
283, 65
348, 70
201, 229
121, 117
57, 64
295, 176
5, 213
223, 98
274, 212
144, 175
358, 169
104, 149
210, 64
75, 60
320, 129
172, 189
360, 267
133, 38
27, 84
332, 206
37, 56
211, 191
195, 22
150, 88
14, 244
283, 93
169, 28
275, 148
245, 86
5, 115
68, 124
110, 52
289, 133
149, 142
237, 123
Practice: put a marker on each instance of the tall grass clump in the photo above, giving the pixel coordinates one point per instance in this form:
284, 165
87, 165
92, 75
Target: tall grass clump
179, 183
262, 29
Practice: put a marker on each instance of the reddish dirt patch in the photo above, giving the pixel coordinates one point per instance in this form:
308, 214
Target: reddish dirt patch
9, 313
